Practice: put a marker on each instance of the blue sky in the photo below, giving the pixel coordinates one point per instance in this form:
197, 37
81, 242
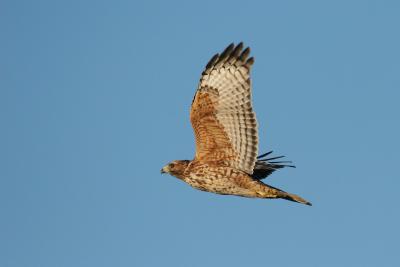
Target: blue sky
95, 98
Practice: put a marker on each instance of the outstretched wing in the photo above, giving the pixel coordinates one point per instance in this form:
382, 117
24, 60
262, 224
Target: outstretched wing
222, 116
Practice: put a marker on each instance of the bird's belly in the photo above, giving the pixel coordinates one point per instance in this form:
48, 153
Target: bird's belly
218, 185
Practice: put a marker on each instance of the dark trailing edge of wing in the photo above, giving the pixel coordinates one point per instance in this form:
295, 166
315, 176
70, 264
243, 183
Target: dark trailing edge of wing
265, 166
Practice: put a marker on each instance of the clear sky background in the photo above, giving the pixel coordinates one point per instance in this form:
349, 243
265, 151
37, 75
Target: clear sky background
95, 98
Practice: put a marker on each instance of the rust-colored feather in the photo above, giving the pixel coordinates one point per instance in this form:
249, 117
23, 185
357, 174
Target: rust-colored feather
222, 116
226, 134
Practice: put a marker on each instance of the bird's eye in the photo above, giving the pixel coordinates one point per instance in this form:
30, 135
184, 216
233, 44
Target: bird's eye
172, 165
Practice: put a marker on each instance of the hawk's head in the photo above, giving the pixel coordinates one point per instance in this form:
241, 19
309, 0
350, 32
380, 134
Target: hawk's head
176, 167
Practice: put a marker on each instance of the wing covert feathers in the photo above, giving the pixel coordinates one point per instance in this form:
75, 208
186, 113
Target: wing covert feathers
222, 116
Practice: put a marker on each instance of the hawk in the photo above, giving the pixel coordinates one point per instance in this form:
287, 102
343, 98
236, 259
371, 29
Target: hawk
226, 133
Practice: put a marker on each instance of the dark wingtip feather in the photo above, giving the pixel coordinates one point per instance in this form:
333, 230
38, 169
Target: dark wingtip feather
243, 56
237, 51
250, 61
278, 157
212, 61
281, 161
265, 154
278, 164
264, 166
232, 54
227, 51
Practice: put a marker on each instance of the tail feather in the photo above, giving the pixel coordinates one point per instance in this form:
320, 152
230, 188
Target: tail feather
278, 193
296, 198
265, 166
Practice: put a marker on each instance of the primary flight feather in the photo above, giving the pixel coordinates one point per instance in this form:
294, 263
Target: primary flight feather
226, 133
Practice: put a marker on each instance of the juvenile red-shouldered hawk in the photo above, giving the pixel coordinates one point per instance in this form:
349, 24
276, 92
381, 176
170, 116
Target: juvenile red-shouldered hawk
225, 129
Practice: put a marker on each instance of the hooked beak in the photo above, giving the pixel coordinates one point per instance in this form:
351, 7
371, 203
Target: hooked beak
163, 170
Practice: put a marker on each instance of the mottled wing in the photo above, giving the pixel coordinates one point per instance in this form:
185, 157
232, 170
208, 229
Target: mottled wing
222, 116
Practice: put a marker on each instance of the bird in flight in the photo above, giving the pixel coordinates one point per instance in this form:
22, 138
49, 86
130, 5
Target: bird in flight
226, 133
